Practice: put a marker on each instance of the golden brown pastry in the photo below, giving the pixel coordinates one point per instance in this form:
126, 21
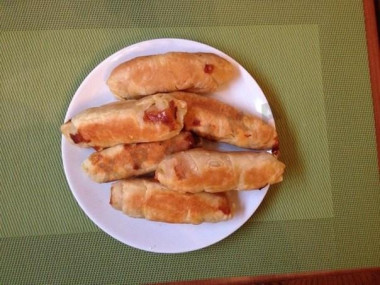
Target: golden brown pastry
211, 171
217, 121
154, 118
174, 71
143, 198
127, 160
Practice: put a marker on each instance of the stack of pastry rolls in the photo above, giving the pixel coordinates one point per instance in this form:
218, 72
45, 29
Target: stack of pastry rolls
148, 142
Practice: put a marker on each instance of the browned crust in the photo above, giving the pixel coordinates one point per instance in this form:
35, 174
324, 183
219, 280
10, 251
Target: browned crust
174, 71
151, 200
124, 161
218, 121
123, 122
211, 171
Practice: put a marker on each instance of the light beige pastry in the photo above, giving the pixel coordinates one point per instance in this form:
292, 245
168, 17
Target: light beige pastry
199, 170
154, 118
217, 121
127, 160
174, 71
143, 198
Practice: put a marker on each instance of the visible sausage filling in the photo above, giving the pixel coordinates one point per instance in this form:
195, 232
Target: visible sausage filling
225, 209
179, 172
167, 116
208, 68
276, 148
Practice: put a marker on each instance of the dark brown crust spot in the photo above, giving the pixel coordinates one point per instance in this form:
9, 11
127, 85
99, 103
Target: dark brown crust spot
77, 138
174, 109
196, 122
208, 68
196, 140
155, 178
260, 188
190, 139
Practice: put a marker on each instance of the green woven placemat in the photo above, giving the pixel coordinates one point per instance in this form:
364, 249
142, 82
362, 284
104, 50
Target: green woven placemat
266, 50
310, 60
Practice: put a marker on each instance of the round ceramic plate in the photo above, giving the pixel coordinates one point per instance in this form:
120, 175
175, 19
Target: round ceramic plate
243, 93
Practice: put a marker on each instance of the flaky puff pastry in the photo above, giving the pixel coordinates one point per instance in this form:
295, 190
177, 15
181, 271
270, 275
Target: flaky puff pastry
174, 71
215, 120
199, 170
143, 198
127, 160
154, 118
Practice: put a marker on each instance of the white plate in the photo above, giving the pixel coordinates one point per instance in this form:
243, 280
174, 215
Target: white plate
93, 198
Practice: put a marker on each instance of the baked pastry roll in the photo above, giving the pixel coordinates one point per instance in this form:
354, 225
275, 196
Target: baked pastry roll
215, 120
143, 198
154, 118
173, 71
127, 160
199, 170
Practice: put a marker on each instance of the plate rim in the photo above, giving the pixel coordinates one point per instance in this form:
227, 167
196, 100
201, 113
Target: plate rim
64, 142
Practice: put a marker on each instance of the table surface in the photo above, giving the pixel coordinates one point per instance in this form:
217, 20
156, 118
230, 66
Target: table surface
368, 276
311, 60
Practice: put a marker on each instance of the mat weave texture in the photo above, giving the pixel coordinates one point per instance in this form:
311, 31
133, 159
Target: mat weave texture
310, 59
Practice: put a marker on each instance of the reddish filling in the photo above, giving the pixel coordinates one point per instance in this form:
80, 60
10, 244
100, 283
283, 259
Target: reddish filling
167, 116
225, 208
77, 138
179, 172
196, 122
276, 148
208, 68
